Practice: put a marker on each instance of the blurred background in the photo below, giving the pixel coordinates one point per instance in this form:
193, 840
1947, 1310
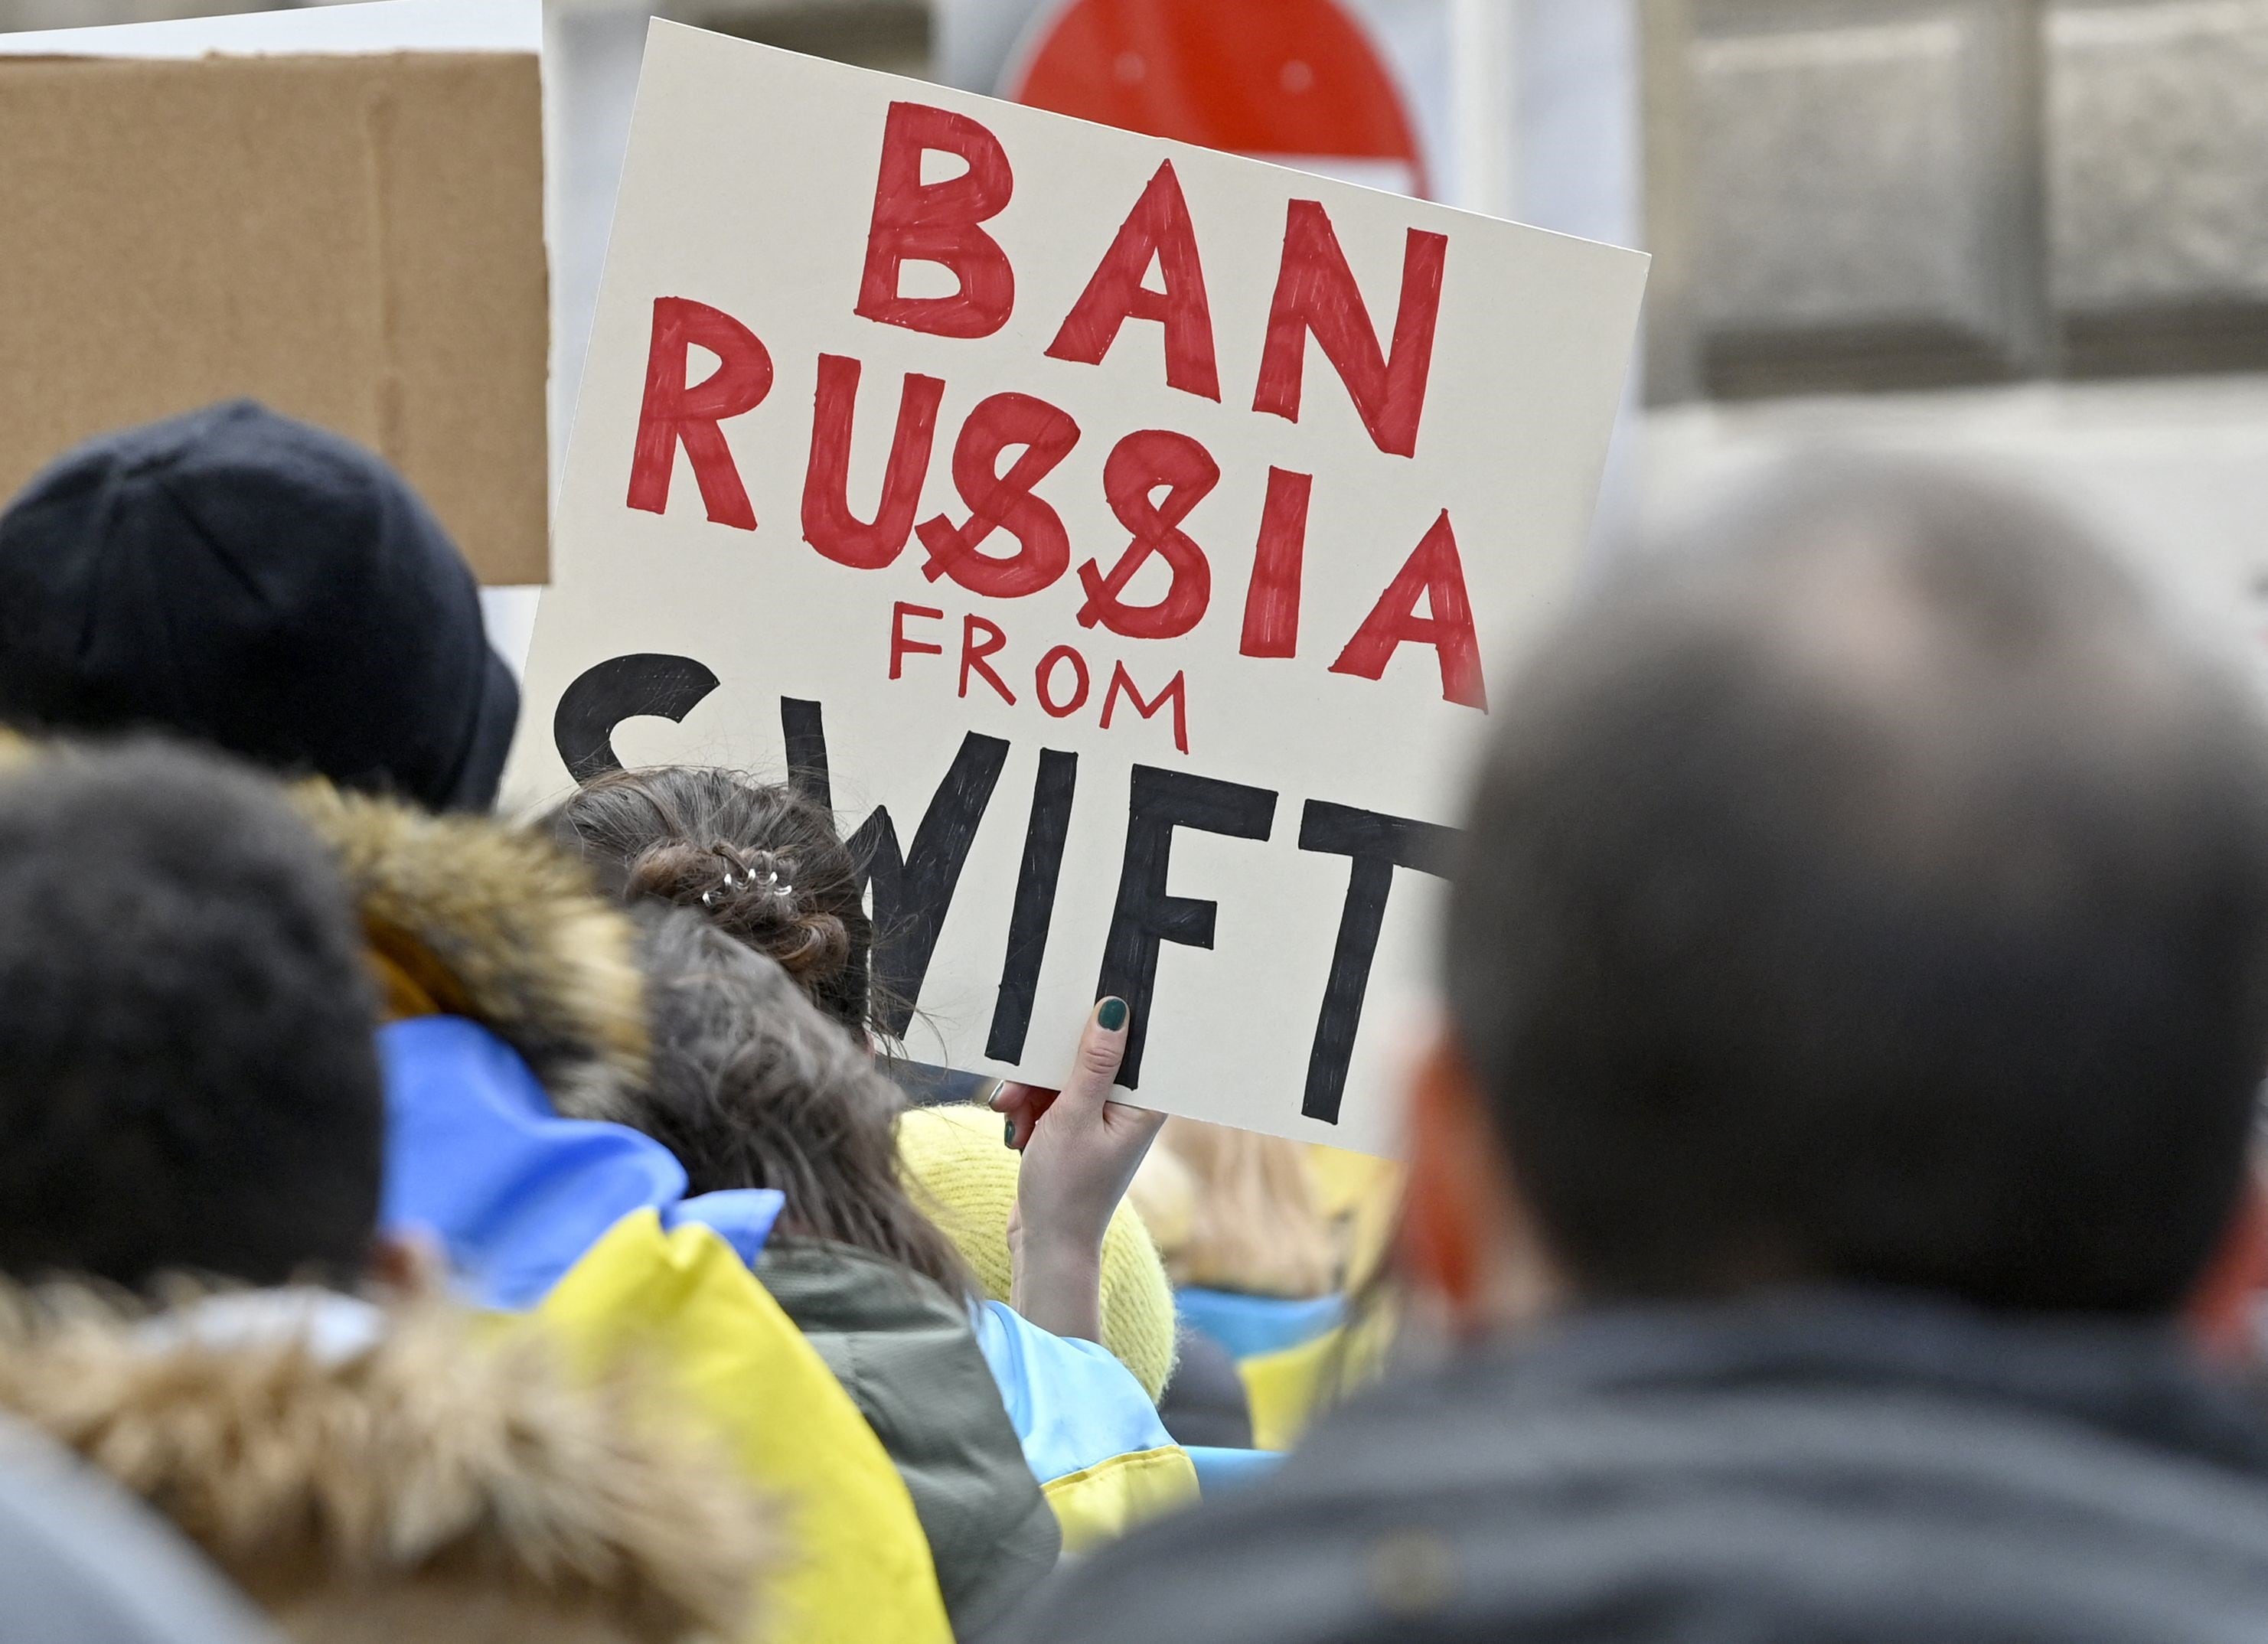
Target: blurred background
2033, 230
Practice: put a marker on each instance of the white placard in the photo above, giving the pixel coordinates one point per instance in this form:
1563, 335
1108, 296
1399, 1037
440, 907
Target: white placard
1288, 462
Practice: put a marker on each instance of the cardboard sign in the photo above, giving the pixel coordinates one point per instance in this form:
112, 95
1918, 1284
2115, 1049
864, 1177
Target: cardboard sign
1117, 533
356, 240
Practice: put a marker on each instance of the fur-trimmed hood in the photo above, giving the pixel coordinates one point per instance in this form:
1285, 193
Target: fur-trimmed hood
388, 1472
467, 916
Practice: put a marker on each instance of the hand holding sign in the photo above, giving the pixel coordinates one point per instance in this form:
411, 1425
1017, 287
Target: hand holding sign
1080, 1153
937, 433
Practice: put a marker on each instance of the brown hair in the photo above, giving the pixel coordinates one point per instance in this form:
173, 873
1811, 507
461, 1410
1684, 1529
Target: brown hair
1255, 1223
752, 1087
756, 859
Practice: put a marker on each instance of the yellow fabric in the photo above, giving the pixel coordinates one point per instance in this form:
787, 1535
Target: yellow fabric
1361, 1195
1102, 1503
862, 1569
1287, 1388
965, 1179
1345, 1181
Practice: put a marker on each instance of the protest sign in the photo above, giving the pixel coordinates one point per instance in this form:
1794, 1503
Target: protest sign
1117, 533
339, 212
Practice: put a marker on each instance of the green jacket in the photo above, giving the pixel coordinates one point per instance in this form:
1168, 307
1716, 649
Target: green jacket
903, 1350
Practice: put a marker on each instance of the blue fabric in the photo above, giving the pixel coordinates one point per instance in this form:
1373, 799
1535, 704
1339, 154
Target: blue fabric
476, 1158
1221, 1471
1073, 1405
1249, 1326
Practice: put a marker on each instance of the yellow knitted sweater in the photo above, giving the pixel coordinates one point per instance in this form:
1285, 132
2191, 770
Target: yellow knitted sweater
965, 1178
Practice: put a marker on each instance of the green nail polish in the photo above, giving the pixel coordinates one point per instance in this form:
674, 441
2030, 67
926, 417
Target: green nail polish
1007, 1133
1111, 1014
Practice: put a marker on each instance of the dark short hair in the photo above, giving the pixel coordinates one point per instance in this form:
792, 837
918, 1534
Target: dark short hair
1870, 884
187, 1075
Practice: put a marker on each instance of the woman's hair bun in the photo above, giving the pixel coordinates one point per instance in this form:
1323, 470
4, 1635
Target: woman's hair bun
749, 895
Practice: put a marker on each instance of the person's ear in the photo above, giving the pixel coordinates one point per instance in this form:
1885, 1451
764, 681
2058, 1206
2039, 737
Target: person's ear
2223, 1306
1466, 1240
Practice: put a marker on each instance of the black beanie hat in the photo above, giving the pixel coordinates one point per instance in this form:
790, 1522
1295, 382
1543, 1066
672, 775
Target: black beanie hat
250, 581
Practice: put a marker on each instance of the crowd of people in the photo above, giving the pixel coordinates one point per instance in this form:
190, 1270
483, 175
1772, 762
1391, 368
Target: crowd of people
1829, 1211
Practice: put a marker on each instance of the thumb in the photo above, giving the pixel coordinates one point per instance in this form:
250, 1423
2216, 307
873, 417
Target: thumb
1102, 1048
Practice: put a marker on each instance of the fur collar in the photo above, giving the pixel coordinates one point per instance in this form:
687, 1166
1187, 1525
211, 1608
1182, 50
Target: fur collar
345, 1462
467, 916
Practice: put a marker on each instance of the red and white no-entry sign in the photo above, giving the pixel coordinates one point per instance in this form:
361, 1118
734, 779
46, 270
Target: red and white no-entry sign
1297, 81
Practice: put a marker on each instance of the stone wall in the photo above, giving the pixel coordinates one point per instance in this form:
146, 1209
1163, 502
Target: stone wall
1875, 194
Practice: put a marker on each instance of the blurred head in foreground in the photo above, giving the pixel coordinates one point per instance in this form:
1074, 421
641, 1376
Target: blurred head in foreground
1868, 888
254, 583
188, 1077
